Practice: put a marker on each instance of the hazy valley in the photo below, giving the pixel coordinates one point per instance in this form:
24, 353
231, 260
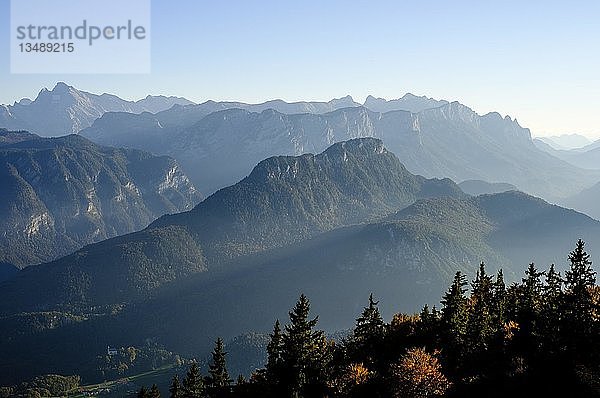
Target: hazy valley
163, 225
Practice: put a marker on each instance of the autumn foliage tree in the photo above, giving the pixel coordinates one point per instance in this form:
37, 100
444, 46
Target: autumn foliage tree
419, 375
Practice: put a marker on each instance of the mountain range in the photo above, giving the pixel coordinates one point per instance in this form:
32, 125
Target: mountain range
219, 148
587, 157
409, 102
336, 226
67, 110
59, 194
566, 141
433, 138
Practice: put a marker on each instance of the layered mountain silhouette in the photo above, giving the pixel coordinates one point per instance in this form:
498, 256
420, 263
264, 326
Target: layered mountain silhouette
336, 226
67, 110
479, 187
285, 200
587, 157
409, 102
587, 201
451, 140
566, 141
59, 194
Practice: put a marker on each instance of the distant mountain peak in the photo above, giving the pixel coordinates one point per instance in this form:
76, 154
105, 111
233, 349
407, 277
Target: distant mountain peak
344, 100
288, 167
408, 102
67, 110
62, 86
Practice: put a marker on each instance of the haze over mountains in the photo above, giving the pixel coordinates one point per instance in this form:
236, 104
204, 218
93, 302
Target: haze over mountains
448, 141
333, 199
586, 157
59, 194
409, 102
218, 143
336, 225
66, 110
566, 141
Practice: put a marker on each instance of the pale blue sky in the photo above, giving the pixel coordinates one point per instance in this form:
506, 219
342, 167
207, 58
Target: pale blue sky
538, 61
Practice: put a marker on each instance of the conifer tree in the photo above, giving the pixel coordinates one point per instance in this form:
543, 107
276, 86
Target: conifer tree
551, 309
218, 375
193, 383
175, 389
425, 316
305, 350
532, 287
481, 333
529, 309
454, 321
553, 288
499, 301
370, 323
480, 327
368, 332
499, 317
429, 325
154, 392
579, 280
274, 355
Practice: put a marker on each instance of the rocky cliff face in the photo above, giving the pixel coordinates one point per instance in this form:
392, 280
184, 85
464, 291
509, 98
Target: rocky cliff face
61, 194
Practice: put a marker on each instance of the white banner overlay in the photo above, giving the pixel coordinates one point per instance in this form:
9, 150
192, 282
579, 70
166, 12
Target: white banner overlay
80, 36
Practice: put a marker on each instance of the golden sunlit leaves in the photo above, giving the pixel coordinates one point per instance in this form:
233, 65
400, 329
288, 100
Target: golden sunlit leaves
419, 375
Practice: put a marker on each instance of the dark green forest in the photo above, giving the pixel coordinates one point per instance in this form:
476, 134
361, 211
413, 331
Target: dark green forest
533, 338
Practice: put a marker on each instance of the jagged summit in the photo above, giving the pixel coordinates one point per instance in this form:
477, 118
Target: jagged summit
409, 102
66, 110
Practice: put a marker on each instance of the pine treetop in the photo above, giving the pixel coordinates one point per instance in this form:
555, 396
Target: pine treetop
219, 376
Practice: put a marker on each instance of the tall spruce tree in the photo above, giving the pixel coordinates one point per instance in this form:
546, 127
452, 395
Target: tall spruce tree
480, 327
499, 311
175, 389
305, 350
368, 333
499, 318
579, 280
529, 312
274, 355
454, 315
551, 312
193, 383
218, 374
370, 323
